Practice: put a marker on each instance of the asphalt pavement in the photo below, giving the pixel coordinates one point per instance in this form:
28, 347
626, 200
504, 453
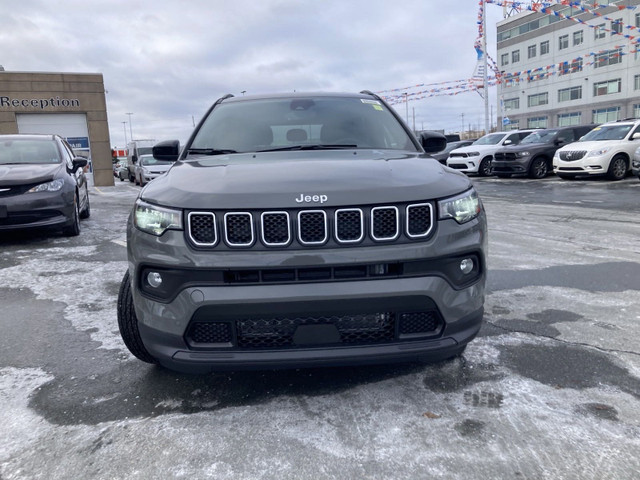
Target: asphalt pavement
549, 390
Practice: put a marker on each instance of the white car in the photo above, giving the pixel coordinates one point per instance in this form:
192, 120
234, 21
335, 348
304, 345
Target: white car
477, 157
147, 168
605, 150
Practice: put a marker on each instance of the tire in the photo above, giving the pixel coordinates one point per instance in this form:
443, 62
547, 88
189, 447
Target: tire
86, 211
538, 168
73, 230
617, 168
132, 178
484, 170
503, 175
128, 322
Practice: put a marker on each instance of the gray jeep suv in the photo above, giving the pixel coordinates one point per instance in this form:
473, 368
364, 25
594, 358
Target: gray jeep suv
303, 230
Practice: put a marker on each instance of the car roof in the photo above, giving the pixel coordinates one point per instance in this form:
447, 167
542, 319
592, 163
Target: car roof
27, 136
242, 98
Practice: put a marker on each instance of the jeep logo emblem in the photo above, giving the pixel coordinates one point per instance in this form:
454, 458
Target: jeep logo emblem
311, 198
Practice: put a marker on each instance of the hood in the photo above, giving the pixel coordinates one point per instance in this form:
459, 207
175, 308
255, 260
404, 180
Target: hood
526, 147
303, 180
476, 148
158, 168
594, 145
22, 174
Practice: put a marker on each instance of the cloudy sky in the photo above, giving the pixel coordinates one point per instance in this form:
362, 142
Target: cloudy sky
167, 61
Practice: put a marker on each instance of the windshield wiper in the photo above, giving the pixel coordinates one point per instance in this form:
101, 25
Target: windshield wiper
309, 147
211, 151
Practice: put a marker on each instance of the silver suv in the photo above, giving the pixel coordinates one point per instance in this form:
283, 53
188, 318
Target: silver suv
303, 230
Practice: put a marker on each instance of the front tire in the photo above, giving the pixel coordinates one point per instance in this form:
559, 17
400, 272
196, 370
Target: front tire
128, 322
617, 168
86, 211
73, 230
539, 168
484, 170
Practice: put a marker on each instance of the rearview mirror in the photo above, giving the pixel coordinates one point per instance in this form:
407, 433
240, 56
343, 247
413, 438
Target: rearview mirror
167, 150
432, 142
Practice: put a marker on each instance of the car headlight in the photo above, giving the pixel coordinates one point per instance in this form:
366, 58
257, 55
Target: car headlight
52, 186
461, 208
156, 220
597, 153
523, 154
473, 154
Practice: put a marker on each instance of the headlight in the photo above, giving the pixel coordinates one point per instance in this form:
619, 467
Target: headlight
52, 186
156, 220
597, 153
523, 154
461, 208
473, 154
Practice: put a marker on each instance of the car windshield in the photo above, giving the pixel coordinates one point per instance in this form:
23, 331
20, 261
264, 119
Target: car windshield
491, 139
28, 151
148, 160
607, 132
453, 145
300, 123
542, 136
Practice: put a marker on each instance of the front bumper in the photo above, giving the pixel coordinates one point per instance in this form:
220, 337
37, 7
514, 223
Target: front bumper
585, 166
519, 165
36, 210
464, 164
635, 168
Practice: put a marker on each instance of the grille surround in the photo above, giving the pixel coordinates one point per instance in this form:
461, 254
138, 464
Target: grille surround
264, 234
338, 227
236, 218
377, 219
213, 226
303, 233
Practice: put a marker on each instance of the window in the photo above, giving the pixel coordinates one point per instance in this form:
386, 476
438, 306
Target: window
636, 111
608, 57
604, 115
616, 26
504, 59
607, 88
531, 51
514, 103
544, 47
537, 122
563, 42
565, 68
567, 94
637, 20
599, 32
568, 119
636, 83
538, 99
512, 126
578, 38
515, 56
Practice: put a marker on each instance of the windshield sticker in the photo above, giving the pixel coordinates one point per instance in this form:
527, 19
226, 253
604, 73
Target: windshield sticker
372, 102
378, 107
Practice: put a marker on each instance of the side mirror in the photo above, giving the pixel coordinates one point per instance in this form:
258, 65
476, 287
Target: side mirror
433, 142
167, 150
635, 136
507, 142
79, 162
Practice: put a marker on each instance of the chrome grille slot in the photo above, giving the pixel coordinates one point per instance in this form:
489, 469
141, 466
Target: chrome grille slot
312, 227
385, 223
570, 155
419, 220
238, 229
202, 228
349, 225
275, 228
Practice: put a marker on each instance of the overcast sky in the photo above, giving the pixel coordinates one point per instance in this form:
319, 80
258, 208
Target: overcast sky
168, 61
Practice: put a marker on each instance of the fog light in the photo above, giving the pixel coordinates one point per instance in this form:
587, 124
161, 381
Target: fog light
154, 279
466, 266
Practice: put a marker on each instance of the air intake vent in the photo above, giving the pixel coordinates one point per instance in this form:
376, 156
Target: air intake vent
275, 229
419, 220
202, 228
312, 227
385, 223
238, 229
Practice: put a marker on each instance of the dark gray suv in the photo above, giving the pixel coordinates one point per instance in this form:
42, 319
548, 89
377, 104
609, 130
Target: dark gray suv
303, 230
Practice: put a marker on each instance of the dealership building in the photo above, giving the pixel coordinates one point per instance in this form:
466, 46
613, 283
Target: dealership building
72, 105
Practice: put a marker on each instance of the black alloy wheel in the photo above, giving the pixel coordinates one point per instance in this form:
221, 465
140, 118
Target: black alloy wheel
485, 167
73, 230
538, 168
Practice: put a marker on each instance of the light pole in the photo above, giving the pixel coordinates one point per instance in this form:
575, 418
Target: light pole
406, 104
130, 128
124, 127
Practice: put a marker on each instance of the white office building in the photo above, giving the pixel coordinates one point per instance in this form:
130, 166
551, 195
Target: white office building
559, 71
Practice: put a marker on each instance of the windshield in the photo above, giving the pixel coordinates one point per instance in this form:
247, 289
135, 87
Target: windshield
541, 136
259, 125
491, 139
28, 151
453, 145
608, 132
148, 160
144, 150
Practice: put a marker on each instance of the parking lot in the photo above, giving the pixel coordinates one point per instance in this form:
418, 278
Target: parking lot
549, 390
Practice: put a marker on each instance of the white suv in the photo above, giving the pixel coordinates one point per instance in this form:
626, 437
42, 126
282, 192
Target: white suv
477, 157
605, 150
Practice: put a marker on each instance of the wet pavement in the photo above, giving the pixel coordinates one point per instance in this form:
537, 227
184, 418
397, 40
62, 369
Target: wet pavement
549, 390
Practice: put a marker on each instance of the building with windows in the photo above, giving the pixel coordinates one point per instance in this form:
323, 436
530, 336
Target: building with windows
569, 65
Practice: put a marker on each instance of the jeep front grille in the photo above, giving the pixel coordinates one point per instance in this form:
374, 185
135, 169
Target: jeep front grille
311, 228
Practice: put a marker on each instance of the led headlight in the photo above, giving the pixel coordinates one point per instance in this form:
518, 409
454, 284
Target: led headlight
461, 208
473, 154
523, 154
156, 220
597, 153
52, 186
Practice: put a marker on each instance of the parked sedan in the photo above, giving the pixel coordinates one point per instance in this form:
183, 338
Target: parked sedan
147, 168
42, 184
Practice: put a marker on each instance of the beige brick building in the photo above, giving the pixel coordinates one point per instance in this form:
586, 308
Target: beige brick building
72, 105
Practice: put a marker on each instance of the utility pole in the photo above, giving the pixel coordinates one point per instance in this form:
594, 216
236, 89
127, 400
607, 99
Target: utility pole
462, 129
406, 104
124, 127
130, 128
484, 56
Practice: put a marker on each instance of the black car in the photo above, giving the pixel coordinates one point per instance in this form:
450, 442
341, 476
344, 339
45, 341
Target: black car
444, 154
42, 184
534, 155
301, 230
